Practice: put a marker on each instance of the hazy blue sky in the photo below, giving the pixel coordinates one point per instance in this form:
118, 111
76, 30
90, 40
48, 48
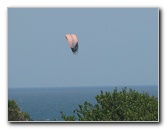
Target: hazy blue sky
116, 47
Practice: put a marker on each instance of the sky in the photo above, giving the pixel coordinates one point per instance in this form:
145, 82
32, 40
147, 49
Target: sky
117, 46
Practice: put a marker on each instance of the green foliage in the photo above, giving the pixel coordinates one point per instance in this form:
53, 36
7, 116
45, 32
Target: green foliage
15, 114
68, 118
118, 106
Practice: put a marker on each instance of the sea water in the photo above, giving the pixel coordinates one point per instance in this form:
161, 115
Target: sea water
45, 104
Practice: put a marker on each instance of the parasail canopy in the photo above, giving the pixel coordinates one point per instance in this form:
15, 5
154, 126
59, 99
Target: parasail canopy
73, 42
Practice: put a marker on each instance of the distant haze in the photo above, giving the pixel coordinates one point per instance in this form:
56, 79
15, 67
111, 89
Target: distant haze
116, 47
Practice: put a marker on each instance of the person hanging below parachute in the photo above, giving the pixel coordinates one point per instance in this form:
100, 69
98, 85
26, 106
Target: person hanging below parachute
73, 42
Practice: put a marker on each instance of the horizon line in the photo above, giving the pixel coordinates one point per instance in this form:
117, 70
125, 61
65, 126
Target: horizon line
85, 86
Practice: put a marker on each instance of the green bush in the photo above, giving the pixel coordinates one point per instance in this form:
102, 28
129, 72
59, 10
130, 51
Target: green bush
15, 114
118, 106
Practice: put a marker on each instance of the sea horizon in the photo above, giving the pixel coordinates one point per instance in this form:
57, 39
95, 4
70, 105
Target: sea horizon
83, 86
45, 103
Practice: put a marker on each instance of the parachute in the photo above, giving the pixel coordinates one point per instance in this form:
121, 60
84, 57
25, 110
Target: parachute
73, 42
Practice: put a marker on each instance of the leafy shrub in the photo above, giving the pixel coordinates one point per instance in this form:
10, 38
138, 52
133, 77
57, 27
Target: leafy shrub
118, 106
15, 114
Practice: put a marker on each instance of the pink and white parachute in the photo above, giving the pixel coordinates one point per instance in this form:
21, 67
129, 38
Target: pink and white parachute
73, 42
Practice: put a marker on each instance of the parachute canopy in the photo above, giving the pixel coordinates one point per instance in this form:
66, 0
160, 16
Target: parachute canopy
73, 42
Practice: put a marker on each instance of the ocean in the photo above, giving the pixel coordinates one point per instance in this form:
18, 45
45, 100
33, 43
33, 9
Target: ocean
45, 104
